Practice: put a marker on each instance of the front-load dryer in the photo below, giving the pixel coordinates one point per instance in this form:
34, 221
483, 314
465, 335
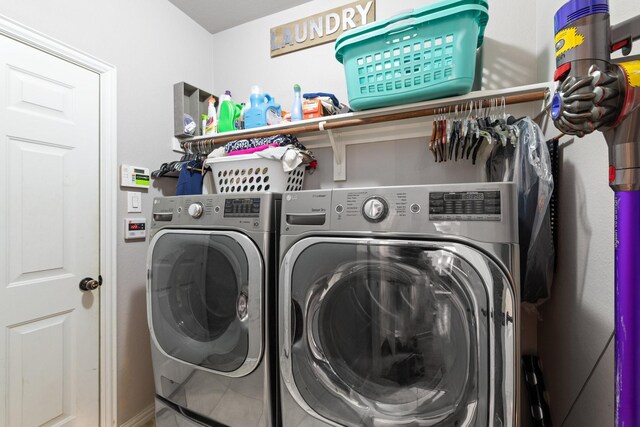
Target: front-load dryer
210, 295
399, 306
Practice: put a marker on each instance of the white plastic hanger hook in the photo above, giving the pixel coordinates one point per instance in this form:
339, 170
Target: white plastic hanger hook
504, 109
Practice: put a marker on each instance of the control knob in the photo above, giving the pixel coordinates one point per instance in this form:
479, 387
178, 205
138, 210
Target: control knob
375, 209
196, 210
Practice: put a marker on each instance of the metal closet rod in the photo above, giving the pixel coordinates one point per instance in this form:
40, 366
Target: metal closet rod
338, 124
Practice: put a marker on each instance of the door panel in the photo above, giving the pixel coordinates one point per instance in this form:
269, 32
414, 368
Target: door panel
49, 237
40, 95
40, 236
36, 381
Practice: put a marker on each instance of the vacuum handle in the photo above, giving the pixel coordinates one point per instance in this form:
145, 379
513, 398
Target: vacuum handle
624, 34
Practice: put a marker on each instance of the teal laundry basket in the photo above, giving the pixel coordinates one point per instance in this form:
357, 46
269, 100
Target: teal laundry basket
425, 54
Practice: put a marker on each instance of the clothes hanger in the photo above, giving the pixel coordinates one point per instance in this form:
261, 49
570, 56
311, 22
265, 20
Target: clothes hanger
432, 142
443, 137
454, 136
485, 135
483, 132
472, 133
441, 131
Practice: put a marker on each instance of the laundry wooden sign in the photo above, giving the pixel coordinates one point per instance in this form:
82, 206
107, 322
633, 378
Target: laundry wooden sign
321, 28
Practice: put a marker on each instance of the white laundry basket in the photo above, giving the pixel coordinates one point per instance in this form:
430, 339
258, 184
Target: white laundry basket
250, 172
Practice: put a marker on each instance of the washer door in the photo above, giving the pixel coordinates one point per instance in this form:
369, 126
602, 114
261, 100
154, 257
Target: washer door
204, 296
388, 332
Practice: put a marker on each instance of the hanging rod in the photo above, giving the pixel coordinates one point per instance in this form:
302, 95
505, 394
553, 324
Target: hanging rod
338, 122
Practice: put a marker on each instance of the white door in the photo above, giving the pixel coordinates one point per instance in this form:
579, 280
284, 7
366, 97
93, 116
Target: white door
49, 236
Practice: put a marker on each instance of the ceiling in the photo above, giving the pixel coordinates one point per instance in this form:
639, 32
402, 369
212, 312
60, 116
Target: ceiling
219, 15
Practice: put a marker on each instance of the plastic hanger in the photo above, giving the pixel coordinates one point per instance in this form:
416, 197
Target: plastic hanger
434, 132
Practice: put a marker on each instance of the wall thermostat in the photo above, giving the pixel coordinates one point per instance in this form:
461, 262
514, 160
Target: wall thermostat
134, 176
135, 228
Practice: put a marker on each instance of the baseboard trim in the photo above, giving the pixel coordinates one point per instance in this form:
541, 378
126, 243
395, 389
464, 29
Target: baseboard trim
144, 416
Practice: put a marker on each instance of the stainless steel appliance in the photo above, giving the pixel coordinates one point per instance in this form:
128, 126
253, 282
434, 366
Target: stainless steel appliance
210, 288
399, 306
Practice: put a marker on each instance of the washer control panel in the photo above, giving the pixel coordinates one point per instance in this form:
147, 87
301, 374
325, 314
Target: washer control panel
375, 209
485, 212
196, 210
464, 206
361, 203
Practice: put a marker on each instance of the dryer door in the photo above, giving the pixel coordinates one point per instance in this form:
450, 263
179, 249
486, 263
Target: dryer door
396, 333
204, 299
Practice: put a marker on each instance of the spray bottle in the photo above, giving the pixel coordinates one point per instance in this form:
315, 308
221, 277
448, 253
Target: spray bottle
212, 122
296, 109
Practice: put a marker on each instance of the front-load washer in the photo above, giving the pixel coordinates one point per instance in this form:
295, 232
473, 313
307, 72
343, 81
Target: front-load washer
210, 294
399, 306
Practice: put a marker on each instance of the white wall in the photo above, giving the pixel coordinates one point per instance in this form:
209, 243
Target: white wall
153, 45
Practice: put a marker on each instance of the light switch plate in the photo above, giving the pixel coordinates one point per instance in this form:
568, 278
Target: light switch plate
134, 202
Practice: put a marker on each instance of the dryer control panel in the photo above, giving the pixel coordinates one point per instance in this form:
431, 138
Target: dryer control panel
242, 207
464, 206
251, 212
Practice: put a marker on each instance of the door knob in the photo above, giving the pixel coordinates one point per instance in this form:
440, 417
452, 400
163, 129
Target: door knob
89, 284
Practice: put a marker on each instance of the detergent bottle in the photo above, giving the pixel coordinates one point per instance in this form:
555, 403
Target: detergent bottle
264, 110
229, 114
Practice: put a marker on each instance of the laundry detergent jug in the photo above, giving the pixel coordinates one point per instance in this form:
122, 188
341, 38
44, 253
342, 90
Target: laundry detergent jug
229, 114
264, 111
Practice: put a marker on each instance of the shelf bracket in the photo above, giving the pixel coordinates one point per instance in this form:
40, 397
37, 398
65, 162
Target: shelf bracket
339, 154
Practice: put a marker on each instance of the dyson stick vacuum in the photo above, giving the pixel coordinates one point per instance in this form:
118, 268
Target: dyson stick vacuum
595, 93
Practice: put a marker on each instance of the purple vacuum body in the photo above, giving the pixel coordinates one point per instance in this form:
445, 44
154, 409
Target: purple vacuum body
627, 308
595, 93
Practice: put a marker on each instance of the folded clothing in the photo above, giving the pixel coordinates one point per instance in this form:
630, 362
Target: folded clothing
218, 152
280, 140
290, 156
326, 95
252, 150
285, 147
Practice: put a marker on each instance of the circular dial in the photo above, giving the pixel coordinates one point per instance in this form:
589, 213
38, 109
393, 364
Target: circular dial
375, 209
195, 210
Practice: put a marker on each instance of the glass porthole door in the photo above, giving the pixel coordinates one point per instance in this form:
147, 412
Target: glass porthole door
387, 333
205, 299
